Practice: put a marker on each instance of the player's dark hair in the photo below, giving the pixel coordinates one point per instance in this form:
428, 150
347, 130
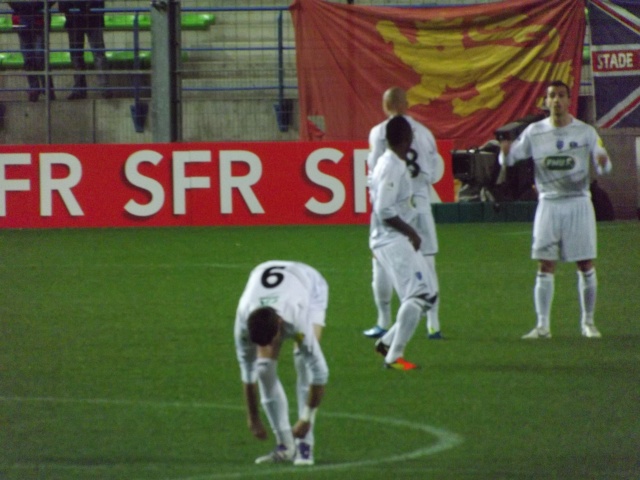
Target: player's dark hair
560, 83
398, 131
263, 325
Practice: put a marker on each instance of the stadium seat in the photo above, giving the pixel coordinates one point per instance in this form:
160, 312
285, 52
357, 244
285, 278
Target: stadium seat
57, 22
128, 57
126, 22
13, 61
188, 21
5, 23
197, 21
63, 59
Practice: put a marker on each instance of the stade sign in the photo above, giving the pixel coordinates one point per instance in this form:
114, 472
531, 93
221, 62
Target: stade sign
174, 184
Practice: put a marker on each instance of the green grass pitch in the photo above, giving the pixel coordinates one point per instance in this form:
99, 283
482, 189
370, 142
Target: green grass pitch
117, 360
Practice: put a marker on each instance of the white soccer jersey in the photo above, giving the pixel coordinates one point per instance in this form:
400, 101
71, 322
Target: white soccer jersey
424, 153
299, 294
390, 190
561, 157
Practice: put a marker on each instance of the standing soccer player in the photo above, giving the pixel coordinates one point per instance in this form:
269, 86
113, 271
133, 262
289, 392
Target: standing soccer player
396, 244
426, 167
564, 227
282, 299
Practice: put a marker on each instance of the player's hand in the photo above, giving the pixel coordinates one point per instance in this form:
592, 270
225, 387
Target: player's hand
602, 160
604, 166
301, 428
415, 240
257, 430
505, 146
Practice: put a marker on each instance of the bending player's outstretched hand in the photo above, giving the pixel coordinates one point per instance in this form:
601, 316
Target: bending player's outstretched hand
301, 428
258, 430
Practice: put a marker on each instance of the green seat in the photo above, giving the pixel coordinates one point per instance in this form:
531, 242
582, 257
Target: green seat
57, 22
197, 21
188, 21
13, 60
128, 57
6, 24
59, 59
125, 22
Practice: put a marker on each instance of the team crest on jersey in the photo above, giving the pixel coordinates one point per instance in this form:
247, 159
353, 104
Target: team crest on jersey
419, 275
266, 301
560, 162
559, 144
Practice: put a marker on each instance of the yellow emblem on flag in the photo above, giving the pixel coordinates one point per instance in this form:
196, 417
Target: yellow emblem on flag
478, 59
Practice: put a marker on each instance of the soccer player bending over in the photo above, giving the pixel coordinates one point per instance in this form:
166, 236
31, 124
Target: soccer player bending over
396, 244
564, 227
282, 300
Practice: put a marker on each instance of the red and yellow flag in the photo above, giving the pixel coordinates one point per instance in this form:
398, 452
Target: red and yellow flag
466, 70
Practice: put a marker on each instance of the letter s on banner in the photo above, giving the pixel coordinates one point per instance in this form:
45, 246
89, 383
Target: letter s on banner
145, 183
331, 183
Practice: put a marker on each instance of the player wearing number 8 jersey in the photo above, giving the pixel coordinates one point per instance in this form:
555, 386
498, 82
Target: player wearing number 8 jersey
562, 149
426, 167
282, 300
395, 243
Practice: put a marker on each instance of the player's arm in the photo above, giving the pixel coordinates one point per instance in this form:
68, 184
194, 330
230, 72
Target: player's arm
406, 229
512, 151
317, 364
601, 157
246, 355
428, 156
308, 417
253, 413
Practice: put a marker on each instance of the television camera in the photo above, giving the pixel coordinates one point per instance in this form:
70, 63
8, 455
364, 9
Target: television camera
478, 168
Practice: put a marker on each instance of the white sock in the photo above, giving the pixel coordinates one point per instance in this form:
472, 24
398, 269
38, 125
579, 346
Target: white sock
388, 337
274, 401
433, 320
382, 292
408, 318
587, 289
302, 390
543, 297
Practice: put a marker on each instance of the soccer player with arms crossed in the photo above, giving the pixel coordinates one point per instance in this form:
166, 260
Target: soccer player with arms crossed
282, 300
396, 244
425, 167
564, 228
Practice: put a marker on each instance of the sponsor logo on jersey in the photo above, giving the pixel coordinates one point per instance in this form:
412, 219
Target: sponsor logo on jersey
559, 162
266, 301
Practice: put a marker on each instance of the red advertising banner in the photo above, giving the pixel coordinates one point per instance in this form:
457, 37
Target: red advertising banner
189, 184
467, 70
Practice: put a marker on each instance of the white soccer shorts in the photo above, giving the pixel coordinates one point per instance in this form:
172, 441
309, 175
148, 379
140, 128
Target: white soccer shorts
564, 229
408, 268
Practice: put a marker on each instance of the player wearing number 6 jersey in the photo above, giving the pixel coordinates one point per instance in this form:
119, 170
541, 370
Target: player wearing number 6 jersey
282, 300
564, 228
